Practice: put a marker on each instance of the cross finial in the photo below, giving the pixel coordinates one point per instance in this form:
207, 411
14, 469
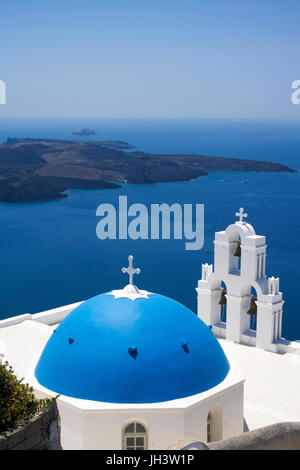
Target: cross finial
131, 270
241, 214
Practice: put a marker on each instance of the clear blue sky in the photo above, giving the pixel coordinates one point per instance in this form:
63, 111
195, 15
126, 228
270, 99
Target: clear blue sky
150, 58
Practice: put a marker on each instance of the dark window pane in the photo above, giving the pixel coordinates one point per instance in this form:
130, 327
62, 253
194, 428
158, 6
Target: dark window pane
140, 448
130, 428
139, 441
130, 441
139, 428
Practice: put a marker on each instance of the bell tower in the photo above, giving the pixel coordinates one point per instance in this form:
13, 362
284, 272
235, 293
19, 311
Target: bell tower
252, 301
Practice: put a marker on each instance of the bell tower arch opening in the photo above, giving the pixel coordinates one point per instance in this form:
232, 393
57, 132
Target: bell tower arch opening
223, 302
235, 254
252, 311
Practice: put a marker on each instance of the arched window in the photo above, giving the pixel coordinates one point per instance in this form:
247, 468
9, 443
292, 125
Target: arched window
214, 424
135, 437
209, 427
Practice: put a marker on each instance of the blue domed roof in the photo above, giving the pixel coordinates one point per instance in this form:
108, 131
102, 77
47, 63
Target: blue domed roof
119, 350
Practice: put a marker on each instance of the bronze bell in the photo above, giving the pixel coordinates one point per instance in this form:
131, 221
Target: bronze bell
223, 299
253, 307
238, 250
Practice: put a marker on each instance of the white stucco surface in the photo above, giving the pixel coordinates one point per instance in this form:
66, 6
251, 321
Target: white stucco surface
272, 386
20, 344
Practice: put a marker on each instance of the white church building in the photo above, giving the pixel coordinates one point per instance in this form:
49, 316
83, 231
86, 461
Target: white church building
137, 370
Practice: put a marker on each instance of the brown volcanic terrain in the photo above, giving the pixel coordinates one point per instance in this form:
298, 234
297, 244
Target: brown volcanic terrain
41, 169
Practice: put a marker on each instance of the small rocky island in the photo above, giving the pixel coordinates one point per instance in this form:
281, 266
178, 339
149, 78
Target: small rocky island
84, 132
43, 169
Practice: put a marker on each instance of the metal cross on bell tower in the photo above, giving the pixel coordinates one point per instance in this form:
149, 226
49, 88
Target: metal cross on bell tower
241, 214
131, 270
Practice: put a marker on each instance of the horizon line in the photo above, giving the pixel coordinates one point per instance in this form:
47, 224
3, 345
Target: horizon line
167, 118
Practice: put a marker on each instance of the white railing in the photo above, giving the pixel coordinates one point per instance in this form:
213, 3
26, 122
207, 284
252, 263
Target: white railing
48, 317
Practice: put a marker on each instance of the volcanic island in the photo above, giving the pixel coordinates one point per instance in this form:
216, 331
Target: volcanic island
43, 169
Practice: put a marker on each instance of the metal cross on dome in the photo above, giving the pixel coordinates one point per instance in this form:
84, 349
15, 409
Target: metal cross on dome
131, 270
241, 214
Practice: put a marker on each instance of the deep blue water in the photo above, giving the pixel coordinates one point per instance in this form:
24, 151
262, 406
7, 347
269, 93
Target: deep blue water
50, 255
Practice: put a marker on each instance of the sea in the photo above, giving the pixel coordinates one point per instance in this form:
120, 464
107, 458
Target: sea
49, 252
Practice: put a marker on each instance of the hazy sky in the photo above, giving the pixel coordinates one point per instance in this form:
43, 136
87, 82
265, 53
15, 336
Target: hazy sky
150, 58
